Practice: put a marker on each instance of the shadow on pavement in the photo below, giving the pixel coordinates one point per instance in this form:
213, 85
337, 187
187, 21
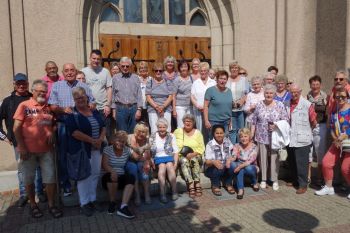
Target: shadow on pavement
291, 220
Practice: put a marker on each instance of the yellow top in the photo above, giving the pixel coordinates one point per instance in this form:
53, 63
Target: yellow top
195, 141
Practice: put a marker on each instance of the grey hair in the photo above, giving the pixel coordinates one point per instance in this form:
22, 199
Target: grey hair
196, 59
169, 58
342, 71
204, 65
256, 78
125, 59
39, 82
270, 87
296, 86
162, 121
233, 63
113, 64
281, 78
269, 74
78, 90
188, 117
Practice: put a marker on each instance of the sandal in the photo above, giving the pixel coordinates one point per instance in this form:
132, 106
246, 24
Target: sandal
55, 212
230, 190
216, 191
198, 188
191, 191
36, 212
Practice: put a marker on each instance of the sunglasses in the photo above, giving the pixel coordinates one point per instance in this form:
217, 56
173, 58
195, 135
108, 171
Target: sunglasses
158, 71
338, 79
242, 73
338, 97
125, 66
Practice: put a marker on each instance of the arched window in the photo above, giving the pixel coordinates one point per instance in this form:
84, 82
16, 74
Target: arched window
197, 19
109, 15
133, 11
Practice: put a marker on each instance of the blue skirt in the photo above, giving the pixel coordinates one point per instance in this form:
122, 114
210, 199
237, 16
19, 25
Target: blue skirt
164, 159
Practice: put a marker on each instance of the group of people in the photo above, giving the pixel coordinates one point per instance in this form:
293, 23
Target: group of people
186, 117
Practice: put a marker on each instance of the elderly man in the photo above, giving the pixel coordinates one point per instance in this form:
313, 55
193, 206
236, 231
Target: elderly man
127, 97
340, 79
100, 82
302, 121
7, 110
33, 129
61, 103
51, 76
269, 78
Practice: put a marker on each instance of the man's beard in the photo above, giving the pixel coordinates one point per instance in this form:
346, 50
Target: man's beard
40, 100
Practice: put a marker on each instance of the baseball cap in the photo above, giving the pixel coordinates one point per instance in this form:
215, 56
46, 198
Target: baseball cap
20, 77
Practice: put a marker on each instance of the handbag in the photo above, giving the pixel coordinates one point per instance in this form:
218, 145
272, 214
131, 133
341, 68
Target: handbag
78, 164
185, 150
345, 144
282, 153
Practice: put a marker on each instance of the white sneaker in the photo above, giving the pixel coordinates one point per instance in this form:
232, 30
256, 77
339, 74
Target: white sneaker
275, 186
263, 184
325, 191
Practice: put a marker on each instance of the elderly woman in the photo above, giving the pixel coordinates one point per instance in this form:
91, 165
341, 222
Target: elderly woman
340, 131
114, 68
169, 64
159, 94
319, 98
190, 140
195, 73
198, 90
218, 103
245, 153
269, 78
113, 161
218, 157
144, 78
212, 74
139, 167
282, 94
165, 156
239, 87
87, 131
267, 112
182, 99
253, 97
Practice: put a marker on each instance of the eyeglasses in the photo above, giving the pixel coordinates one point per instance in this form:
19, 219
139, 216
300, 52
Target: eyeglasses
339, 79
289, 83
158, 71
124, 66
242, 73
343, 97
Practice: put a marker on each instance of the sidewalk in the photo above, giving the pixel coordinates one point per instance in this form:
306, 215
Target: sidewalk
266, 211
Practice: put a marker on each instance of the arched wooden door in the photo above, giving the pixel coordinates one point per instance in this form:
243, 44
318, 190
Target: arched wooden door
153, 48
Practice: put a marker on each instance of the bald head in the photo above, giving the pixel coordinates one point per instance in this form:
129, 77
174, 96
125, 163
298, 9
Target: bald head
69, 72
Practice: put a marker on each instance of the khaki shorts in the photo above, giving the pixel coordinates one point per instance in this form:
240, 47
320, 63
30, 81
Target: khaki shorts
47, 166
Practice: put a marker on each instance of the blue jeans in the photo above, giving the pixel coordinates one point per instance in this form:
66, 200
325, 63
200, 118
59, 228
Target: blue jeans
38, 179
216, 175
136, 170
249, 170
62, 147
224, 123
237, 124
126, 118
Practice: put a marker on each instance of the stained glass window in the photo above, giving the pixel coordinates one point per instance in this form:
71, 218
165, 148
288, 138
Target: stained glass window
197, 20
109, 15
133, 11
155, 11
194, 4
177, 12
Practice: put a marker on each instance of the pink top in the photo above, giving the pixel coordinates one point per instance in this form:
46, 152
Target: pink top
50, 83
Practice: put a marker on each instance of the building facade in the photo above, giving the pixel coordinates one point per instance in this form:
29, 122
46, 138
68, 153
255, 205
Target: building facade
301, 38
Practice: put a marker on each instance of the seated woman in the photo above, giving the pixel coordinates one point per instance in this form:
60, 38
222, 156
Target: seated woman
113, 162
191, 141
165, 156
140, 167
218, 156
86, 131
245, 153
340, 131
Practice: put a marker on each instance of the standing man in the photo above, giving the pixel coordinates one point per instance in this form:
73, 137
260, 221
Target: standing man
340, 79
100, 82
51, 76
33, 129
62, 103
127, 97
7, 110
302, 121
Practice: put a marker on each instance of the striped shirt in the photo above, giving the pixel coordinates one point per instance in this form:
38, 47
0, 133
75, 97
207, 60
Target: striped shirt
95, 127
117, 162
61, 93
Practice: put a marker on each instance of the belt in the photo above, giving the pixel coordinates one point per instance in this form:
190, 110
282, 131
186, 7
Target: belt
125, 105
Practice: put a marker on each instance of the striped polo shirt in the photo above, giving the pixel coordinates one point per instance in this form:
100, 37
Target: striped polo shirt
117, 162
